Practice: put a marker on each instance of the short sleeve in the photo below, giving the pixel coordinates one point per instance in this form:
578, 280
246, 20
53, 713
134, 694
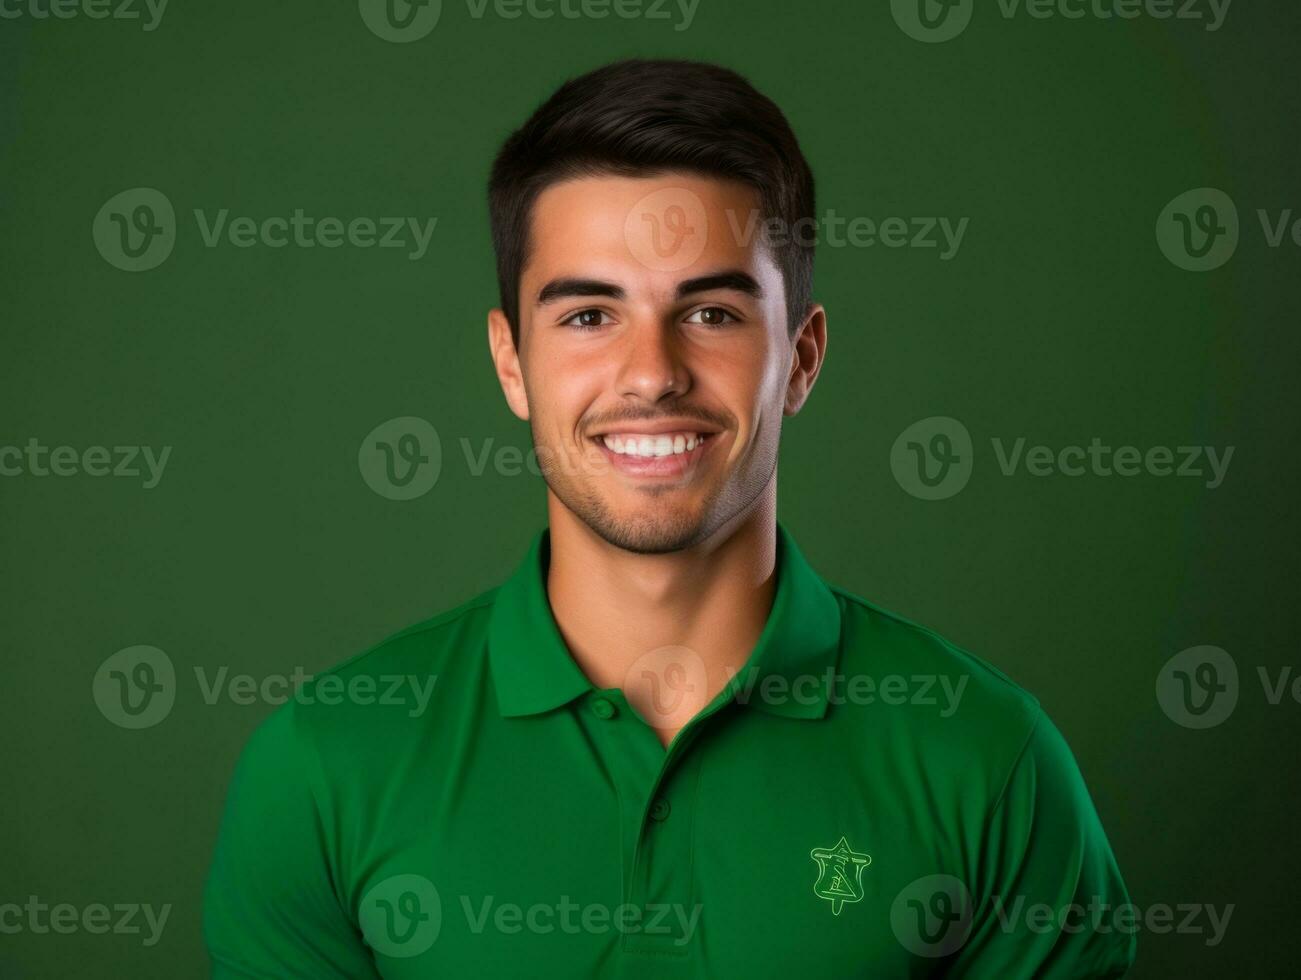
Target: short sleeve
270, 911
1051, 903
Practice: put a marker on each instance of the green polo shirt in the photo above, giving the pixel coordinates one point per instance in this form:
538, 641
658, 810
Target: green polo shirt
862, 799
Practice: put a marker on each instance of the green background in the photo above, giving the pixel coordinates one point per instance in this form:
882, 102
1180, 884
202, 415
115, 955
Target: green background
262, 549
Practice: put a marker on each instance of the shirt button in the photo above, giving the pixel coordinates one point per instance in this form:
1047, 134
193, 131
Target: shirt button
660, 810
603, 709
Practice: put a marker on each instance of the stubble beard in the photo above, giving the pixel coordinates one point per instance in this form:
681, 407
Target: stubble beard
654, 531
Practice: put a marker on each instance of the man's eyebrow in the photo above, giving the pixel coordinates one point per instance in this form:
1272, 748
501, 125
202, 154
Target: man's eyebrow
563, 288
734, 279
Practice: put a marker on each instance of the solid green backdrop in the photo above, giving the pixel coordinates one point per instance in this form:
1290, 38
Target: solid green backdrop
257, 547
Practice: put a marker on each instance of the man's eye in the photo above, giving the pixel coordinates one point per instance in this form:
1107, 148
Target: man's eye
586, 319
711, 316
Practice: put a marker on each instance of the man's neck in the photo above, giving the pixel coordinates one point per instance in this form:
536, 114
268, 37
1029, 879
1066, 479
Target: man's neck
668, 629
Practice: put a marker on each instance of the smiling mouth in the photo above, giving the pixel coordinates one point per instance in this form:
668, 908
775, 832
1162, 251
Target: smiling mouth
674, 455
646, 446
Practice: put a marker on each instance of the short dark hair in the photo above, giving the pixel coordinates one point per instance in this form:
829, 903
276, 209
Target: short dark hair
641, 117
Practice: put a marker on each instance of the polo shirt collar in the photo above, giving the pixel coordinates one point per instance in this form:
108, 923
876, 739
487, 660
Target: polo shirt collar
533, 671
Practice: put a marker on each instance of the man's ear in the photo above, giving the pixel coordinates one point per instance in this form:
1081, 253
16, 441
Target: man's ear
807, 355
506, 360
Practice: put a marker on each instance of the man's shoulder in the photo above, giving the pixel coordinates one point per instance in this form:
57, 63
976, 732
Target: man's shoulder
920, 664
437, 642
395, 684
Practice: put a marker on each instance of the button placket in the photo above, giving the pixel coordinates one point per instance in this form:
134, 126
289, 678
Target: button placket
663, 883
655, 788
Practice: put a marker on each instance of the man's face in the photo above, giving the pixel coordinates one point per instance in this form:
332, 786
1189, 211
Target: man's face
654, 361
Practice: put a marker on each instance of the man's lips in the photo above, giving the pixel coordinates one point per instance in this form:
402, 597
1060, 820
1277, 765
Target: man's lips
663, 443
665, 453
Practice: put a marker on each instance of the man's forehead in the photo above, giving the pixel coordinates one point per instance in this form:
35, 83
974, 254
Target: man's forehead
665, 228
615, 190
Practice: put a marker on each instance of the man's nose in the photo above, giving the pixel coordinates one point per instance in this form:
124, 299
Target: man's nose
652, 362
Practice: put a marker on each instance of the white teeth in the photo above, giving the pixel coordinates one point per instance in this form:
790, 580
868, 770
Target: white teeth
660, 445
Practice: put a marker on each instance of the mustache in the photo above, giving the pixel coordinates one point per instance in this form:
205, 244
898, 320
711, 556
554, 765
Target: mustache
711, 418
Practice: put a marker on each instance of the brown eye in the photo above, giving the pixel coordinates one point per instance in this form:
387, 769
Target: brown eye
587, 319
711, 316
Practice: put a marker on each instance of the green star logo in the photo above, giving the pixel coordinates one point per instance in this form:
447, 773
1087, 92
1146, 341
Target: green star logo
840, 874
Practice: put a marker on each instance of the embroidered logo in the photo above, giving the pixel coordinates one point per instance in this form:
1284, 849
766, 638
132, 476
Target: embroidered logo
840, 874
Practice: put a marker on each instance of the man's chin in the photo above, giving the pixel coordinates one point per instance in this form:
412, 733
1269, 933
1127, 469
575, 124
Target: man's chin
651, 534
651, 527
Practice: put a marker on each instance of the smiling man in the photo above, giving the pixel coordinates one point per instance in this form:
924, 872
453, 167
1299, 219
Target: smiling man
664, 747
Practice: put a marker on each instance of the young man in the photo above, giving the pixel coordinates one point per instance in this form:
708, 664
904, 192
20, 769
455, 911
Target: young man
660, 749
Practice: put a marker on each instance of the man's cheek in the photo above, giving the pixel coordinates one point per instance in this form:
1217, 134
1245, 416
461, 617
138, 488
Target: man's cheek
591, 463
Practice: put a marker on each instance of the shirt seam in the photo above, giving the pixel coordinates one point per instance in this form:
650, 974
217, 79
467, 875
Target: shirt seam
442, 619
978, 661
1016, 764
315, 781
